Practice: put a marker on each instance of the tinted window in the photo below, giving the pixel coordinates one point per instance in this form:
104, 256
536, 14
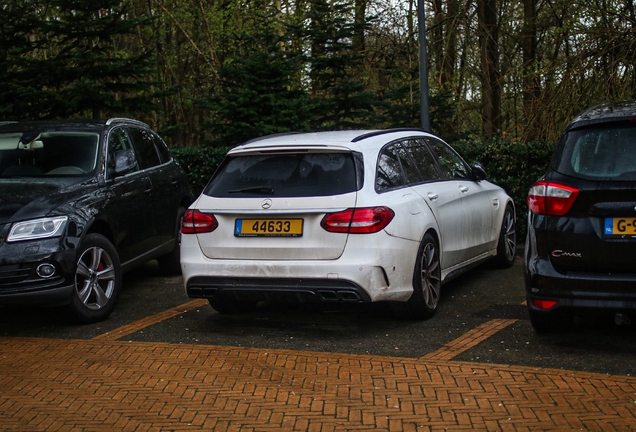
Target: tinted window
285, 175
145, 147
600, 153
162, 149
56, 153
423, 159
450, 163
118, 140
389, 173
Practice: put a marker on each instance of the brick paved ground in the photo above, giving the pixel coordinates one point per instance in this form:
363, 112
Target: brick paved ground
109, 385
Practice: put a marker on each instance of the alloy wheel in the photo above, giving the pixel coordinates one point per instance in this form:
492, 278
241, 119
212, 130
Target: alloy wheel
95, 278
430, 276
510, 236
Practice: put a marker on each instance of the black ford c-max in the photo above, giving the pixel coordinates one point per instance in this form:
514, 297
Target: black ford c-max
581, 240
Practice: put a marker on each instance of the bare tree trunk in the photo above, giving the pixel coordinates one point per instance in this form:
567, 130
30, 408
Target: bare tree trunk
490, 75
438, 42
360, 19
531, 89
318, 38
450, 58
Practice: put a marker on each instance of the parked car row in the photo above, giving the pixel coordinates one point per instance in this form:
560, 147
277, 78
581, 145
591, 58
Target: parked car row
327, 217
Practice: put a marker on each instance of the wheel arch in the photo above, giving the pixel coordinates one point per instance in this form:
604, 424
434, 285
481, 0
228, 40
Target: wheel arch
100, 226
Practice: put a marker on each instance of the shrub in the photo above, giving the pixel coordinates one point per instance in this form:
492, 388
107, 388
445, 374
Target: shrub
200, 163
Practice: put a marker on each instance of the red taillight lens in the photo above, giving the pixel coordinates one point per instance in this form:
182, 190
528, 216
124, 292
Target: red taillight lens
196, 222
553, 199
358, 221
543, 304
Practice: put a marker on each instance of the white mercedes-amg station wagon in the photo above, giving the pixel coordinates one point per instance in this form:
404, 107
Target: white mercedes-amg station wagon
348, 216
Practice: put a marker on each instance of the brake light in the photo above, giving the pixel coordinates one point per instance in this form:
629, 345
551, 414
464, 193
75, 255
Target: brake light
552, 199
358, 221
543, 304
196, 222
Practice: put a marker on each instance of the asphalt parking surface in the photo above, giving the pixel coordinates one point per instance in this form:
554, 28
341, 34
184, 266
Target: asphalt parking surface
486, 294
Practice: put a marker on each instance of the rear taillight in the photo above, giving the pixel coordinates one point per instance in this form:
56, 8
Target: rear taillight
543, 304
552, 199
196, 222
358, 221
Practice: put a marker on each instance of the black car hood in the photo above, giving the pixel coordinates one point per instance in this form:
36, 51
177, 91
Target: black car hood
22, 199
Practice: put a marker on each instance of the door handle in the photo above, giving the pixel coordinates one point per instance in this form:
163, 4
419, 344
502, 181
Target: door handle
432, 196
463, 189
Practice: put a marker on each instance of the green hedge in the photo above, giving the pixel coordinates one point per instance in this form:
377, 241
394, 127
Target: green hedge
513, 165
200, 163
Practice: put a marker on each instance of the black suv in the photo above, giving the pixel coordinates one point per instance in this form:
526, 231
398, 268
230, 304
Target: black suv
81, 202
582, 222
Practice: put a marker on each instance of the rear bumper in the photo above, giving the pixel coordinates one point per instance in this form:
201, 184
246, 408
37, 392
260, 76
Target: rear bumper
361, 274
578, 289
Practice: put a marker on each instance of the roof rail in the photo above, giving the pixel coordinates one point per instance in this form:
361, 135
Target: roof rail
125, 120
385, 131
6, 122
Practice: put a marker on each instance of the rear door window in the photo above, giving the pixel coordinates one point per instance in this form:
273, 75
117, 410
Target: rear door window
404, 163
285, 175
145, 147
451, 165
423, 159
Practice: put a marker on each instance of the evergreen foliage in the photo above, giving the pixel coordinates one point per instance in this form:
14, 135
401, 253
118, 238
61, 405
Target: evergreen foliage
258, 95
66, 58
337, 86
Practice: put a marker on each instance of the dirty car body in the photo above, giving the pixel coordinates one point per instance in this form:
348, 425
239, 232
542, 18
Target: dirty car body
342, 217
80, 203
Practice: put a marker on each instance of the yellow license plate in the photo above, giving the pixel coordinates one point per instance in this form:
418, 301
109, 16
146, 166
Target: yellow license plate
620, 226
268, 227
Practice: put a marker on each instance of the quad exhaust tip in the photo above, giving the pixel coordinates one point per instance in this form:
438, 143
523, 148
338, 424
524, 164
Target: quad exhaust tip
621, 319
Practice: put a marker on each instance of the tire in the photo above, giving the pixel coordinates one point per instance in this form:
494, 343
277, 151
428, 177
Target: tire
550, 322
231, 307
170, 263
507, 245
426, 281
97, 279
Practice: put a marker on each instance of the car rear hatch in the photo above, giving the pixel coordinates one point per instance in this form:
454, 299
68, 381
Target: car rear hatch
598, 233
269, 204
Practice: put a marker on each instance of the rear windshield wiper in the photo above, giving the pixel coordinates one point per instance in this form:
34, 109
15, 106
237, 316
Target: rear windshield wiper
256, 189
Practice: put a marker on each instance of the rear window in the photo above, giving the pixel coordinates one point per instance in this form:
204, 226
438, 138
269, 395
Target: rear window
601, 153
287, 175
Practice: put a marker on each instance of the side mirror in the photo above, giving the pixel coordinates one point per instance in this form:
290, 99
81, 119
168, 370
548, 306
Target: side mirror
479, 173
125, 162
